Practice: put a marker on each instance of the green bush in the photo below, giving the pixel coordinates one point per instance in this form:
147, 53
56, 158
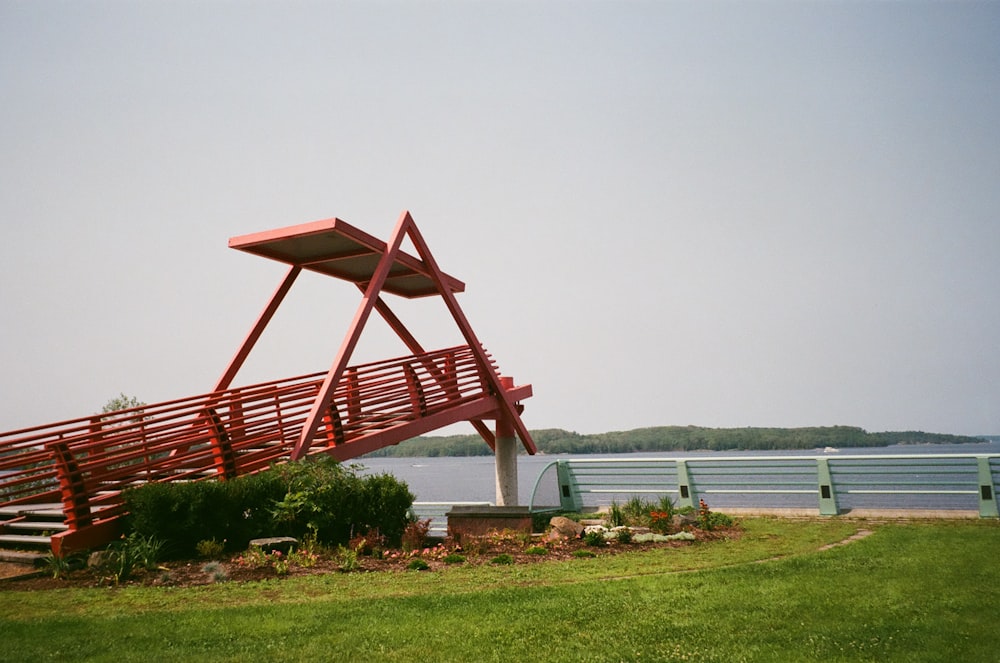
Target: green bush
183, 514
418, 564
453, 558
502, 559
316, 498
210, 548
335, 503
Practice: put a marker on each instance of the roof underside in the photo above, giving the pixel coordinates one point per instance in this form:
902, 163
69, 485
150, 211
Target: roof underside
335, 248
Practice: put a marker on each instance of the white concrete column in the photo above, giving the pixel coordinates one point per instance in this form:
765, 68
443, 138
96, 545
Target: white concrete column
506, 457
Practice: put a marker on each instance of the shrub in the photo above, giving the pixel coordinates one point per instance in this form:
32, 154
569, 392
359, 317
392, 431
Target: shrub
210, 548
415, 535
184, 514
315, 497
537, 550
623, 535
594, 537
502, 559
418, 564
709, 520
583, 553
347, 559
370, 544
453, 558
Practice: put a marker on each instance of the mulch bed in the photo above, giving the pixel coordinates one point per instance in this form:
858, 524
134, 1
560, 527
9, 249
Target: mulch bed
189, 573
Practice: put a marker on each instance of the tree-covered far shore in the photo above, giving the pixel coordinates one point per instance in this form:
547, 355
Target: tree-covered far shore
676, 438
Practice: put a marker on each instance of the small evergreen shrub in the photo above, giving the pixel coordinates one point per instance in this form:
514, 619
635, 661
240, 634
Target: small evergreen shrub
210, 548
417, 564
537, 550
315, 499
453, 558
502, 559
623, 535
583, 553
594, 537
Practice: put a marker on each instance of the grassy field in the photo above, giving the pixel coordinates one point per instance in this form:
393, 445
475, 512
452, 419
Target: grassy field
909, 592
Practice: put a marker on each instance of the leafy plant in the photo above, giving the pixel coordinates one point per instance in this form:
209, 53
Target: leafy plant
660, 522
210, 548
595, 538
709, 520
623, 535
60, 567
303, 557
417, 564
616, 516
415, 535
453, 558
502, 559
666, 505
537, 550
636, 511
127, 554
347, 559
583, 553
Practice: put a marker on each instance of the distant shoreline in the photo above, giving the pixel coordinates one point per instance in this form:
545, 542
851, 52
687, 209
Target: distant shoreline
680, 438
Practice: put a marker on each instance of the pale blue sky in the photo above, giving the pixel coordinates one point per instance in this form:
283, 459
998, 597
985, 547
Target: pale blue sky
720, 214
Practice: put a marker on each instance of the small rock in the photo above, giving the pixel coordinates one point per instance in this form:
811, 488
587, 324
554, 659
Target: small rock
96, 559
679, 521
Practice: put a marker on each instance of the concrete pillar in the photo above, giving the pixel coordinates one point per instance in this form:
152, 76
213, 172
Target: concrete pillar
506, 456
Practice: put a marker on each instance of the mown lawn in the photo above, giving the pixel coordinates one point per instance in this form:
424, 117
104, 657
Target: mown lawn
909, 592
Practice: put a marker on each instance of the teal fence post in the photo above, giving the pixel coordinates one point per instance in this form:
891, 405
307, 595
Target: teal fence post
827, 498
987, 493
569, 493
685, 491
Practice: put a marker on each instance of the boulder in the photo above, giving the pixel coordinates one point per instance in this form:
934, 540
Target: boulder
282, 544
565, 527
679, 521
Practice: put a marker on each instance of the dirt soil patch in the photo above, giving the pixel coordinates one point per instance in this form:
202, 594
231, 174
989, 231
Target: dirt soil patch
234, 568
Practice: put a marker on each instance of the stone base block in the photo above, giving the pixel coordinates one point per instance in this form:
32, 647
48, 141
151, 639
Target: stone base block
479, 521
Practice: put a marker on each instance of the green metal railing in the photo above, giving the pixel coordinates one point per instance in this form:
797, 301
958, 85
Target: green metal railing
830, 484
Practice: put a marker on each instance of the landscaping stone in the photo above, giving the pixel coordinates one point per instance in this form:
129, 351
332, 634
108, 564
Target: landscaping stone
679, 521
563, 526
282, 544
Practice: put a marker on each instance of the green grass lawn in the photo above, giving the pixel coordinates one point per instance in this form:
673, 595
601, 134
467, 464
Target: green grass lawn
909, 592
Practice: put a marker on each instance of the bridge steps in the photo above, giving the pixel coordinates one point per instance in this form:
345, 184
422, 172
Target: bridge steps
31, 525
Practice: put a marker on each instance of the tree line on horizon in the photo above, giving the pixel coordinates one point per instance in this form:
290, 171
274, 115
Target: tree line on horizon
675, 438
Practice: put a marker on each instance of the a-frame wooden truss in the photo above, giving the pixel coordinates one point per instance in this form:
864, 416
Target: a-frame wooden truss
375, 267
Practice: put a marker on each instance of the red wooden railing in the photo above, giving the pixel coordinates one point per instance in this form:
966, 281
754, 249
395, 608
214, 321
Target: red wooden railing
84, 464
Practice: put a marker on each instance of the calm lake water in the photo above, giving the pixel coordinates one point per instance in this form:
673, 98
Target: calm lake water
471, 478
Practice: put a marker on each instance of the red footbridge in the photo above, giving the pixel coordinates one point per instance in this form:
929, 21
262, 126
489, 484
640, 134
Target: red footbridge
61, 483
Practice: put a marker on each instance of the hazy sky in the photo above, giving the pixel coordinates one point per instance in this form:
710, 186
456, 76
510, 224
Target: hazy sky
719, 214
